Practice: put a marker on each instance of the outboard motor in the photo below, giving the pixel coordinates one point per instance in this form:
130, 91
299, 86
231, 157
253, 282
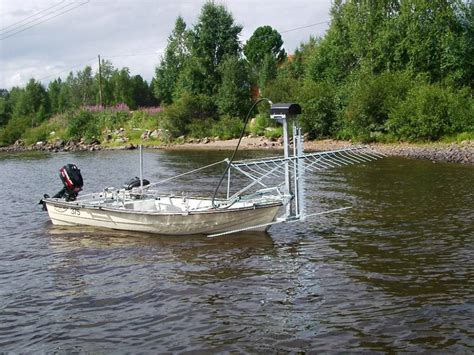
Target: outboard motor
135, 182
72, 180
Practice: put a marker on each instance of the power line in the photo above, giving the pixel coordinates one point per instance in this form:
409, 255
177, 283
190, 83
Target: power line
93, 59
45, 20
26, 18
155, 53
38, 18
67, 70
303, 27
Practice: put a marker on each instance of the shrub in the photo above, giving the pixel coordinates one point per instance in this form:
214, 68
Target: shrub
199, 128
185, 109
144, 120
14, 129
430, 112
370, 101
111, 119
319, 109
36, 134
82, 124
260, 123
273, 132
228, 127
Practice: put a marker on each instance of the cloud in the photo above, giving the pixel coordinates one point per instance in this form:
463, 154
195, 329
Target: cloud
135, 28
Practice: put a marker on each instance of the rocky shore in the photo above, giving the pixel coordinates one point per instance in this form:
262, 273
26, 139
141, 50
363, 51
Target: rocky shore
437, 152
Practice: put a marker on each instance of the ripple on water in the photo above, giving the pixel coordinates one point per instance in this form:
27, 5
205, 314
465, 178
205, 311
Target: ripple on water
394, 273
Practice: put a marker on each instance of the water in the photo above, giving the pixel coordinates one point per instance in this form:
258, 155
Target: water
395, 273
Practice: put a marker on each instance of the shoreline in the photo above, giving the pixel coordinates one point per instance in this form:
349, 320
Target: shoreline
462, 153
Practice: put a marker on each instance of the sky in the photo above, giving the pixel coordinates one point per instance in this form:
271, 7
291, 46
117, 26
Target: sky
46, 39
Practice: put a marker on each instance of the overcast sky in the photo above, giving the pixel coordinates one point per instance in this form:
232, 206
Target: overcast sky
131, 33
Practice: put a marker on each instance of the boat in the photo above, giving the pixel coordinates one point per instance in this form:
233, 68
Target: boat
273, 192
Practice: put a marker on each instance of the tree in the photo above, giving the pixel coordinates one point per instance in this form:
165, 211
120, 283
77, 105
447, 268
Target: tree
54, 91
107, 70
263, 42
32, 103
214, 37
141, 92
172, 63
233, 97
4, 107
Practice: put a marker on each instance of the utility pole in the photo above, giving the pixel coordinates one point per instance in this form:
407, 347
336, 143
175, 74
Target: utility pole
100, 84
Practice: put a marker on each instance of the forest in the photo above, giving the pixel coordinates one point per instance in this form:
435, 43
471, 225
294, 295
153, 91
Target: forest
386, 71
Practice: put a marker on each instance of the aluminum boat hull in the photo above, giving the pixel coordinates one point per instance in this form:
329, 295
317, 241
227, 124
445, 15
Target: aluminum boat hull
164, 223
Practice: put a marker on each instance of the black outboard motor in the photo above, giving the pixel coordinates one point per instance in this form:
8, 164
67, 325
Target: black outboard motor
72, 180
135, 182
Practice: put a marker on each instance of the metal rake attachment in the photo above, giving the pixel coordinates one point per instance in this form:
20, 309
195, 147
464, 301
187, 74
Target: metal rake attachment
259, 170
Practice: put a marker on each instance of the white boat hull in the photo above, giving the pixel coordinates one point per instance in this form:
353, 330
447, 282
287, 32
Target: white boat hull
185, 223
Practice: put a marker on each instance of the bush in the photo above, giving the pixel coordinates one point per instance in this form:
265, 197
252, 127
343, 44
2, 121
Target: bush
371, 100
319, 109
82, 124
282, 89
185, 109
273, 132
111, 119
260, 123
36, 134
14, 129
144, 119
200, 128
430, 112
228, 127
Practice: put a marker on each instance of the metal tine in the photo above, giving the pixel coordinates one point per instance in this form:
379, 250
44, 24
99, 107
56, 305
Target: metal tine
314, 165
250, 185
280, 166
344, 158
315, 160
351, 157
376, 154
338, 159
280, 172
256, 180
332, 160
311, 168
328, 161
265, 171
359, 155
367, 155
258, 173
364, 154
322, 163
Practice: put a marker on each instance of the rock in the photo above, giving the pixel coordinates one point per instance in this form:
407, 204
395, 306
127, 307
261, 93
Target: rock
121, 139
39, 144
156, 134
94, 141
59, 143
130, 147
145, 135
205, 140
19, 143
52, 133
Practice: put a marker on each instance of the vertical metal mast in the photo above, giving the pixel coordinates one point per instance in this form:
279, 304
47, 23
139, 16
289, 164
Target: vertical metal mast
141, 166
285, 113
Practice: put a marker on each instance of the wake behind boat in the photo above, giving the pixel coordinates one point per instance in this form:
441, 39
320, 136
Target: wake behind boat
273, 192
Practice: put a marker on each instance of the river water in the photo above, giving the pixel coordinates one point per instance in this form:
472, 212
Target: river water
394, 273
